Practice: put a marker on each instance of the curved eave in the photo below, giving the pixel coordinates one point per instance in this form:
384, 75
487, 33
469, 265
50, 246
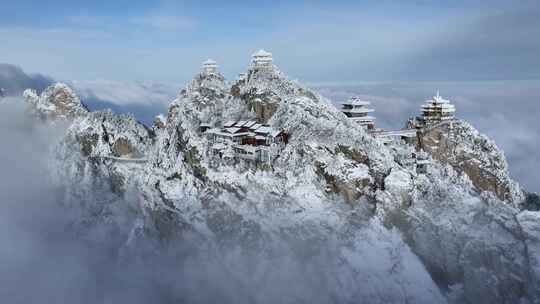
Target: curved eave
356, 103
362, 118
364, 110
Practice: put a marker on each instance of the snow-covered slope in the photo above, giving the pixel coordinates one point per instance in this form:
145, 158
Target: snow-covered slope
334, 197
470, 242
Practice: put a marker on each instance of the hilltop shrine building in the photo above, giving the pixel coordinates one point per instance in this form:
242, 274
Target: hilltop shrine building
357, 110
209, 67
262, 60
437, 110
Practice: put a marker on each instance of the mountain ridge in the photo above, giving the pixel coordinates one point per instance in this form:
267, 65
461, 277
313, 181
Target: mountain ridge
332, 178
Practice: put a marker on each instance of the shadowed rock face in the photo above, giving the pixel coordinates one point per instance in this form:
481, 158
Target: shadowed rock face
65, 101
98, 133
88, 143
263, 91
263, 106
262, 103
472, 153
122, 147
102, 134
532, 202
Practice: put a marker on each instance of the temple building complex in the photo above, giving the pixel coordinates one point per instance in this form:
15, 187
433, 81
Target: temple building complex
437, 110
261, 60
252, 142
210, 67
246, 141
357, 110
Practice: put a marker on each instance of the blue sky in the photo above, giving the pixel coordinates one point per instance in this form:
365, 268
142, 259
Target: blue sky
315, 41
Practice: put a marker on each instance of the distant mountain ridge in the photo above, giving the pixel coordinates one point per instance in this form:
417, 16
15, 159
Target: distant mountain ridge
14, 80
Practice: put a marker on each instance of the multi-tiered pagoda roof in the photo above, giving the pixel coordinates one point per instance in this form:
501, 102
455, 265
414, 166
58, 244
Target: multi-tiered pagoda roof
437, 109
357, 110
210, 66
261, 60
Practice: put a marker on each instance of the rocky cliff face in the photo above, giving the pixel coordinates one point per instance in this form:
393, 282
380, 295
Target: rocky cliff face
263, 91
104, 134
118, 144
98, 164
474, 245
57, 102
474, 154
396, 236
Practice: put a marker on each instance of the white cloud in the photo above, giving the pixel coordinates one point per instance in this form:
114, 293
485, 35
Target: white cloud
128, 93
166, 23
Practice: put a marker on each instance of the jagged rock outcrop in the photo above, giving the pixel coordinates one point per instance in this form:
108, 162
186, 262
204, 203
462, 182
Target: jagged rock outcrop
466, 150
57, 102
263, 91
98, 163
207, 95
102, 148
104, 133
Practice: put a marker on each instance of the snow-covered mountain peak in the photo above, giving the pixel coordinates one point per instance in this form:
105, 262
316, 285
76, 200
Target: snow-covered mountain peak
266, 163
55, 102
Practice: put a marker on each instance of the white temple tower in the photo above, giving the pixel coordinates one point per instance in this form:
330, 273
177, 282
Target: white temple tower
262, 60
210, 67
357, 110
437, 110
